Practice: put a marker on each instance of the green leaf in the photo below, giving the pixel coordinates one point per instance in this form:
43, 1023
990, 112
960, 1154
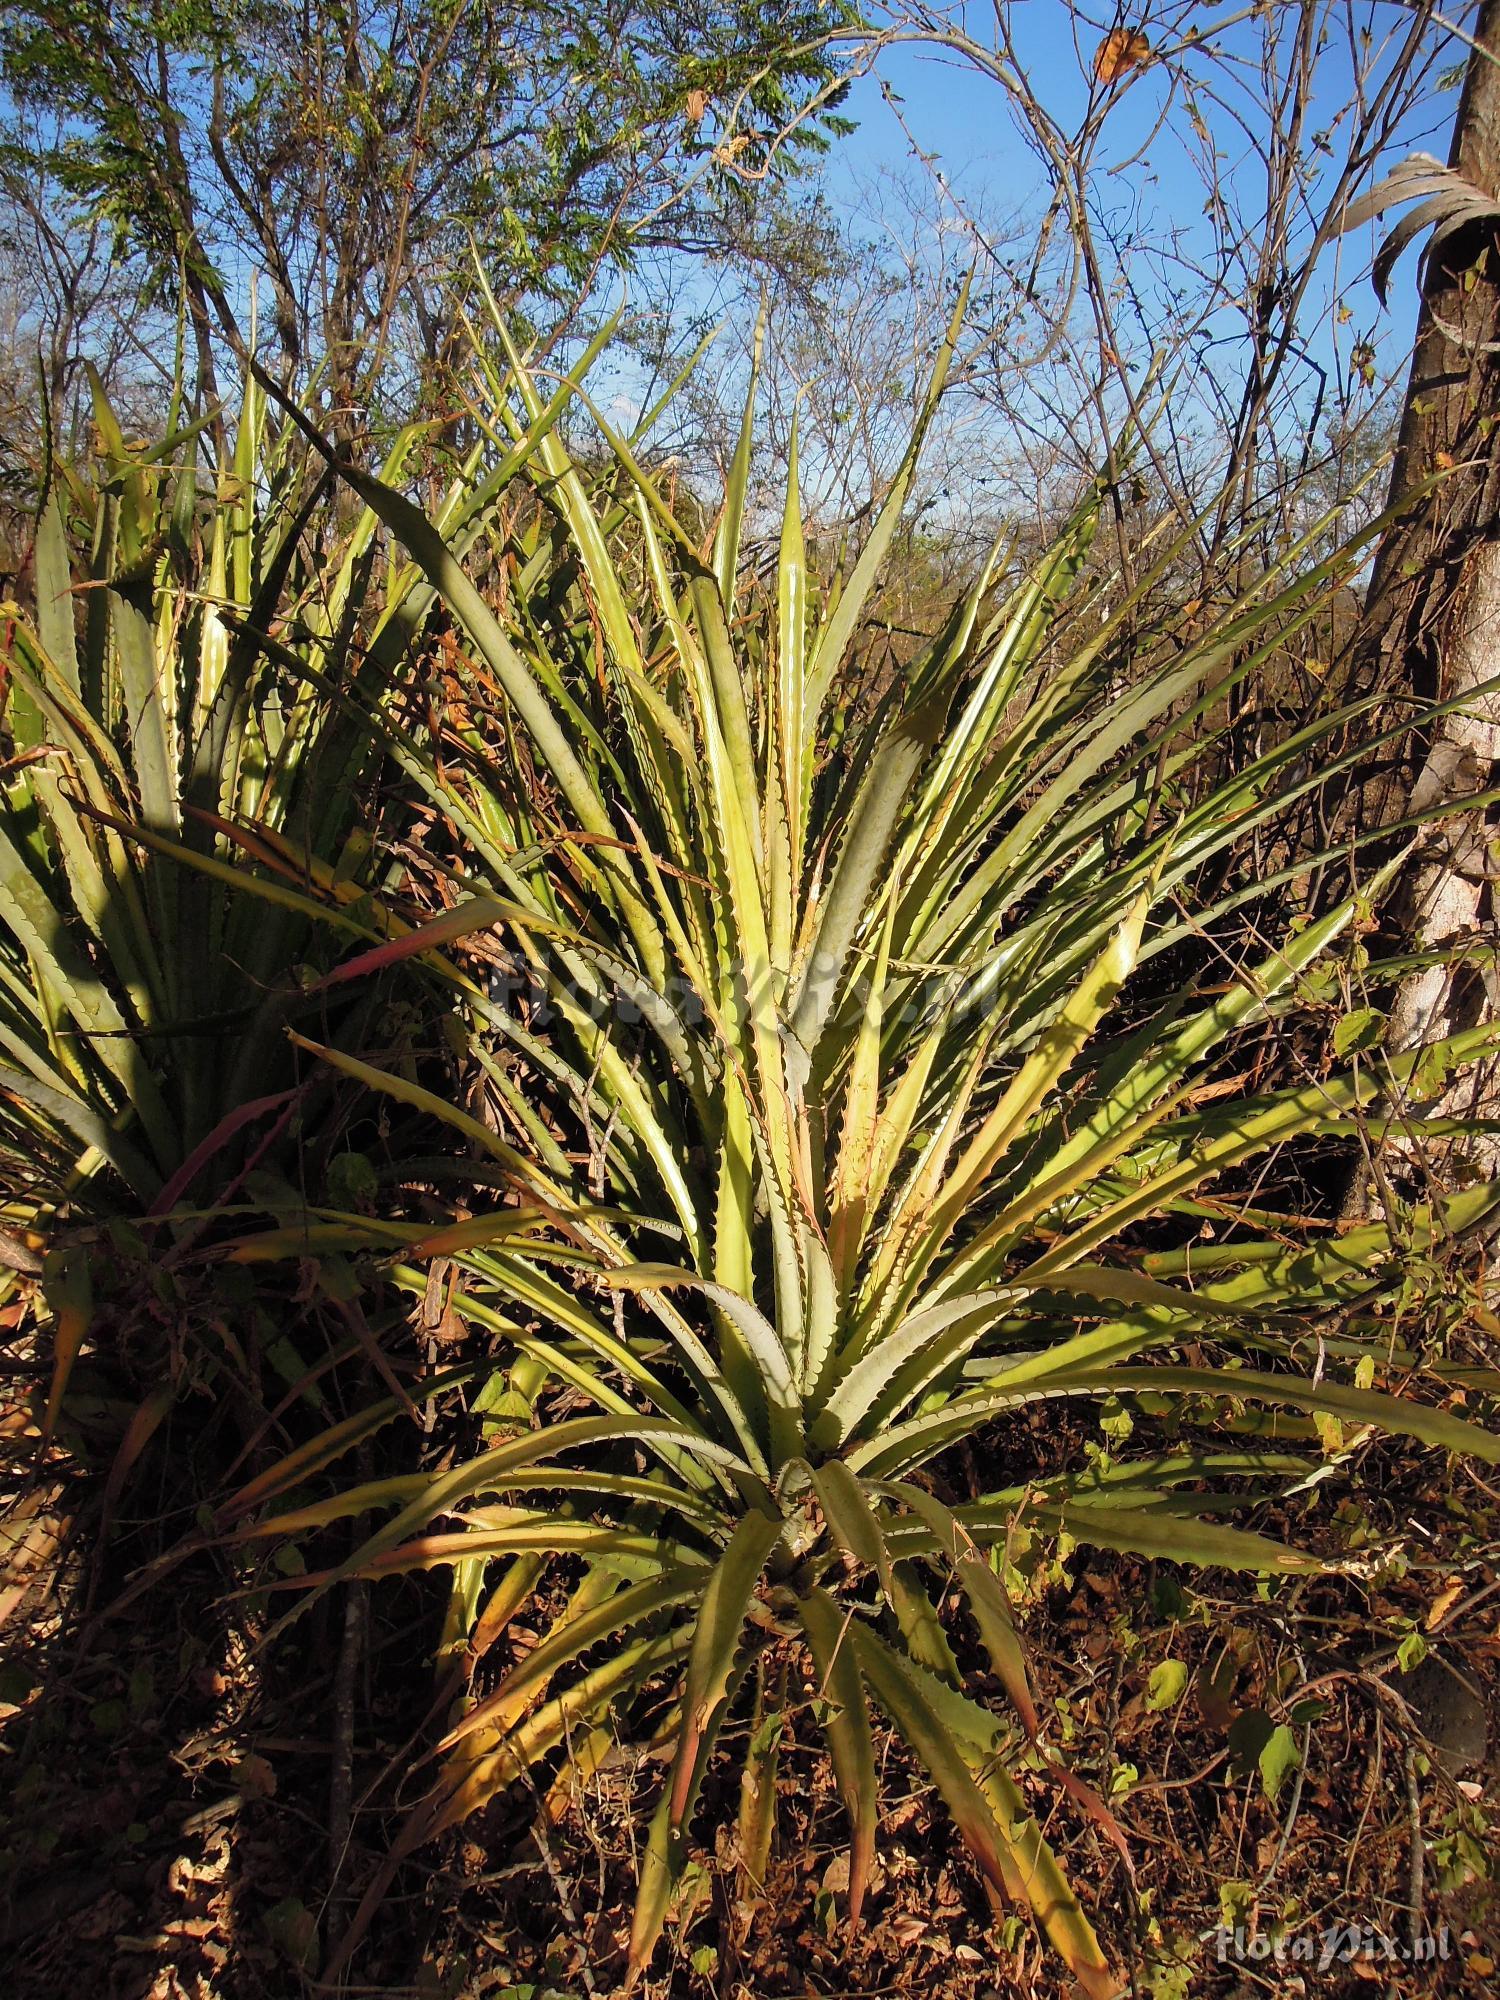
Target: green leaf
1256, 1743
986, 1596
757, 1818
851, 1520
1411, 1651
1167, 1685
1279, 1757
846, 1725
67, 1287
1007, 1844
711, 1672
1357, 1032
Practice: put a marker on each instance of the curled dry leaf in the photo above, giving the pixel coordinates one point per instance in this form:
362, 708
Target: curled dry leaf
1443, 1603
1121, 51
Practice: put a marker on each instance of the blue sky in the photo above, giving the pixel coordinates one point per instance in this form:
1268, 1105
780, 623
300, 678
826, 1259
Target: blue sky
1148, 188
958, 118
1146, 177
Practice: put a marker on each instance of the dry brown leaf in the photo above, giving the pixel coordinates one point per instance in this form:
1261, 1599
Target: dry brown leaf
1443, 1603
1122, 50
254, 1778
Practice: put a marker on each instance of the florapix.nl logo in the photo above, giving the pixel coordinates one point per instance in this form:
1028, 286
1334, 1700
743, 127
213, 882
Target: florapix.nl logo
1333, 1945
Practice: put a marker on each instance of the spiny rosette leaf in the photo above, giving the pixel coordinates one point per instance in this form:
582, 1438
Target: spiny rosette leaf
854, 995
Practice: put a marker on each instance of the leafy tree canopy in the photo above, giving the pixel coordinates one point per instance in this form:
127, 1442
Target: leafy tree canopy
343, 154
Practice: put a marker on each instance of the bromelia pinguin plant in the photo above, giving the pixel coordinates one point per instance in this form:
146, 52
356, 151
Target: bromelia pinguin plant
161, 766
186, 814
847, 1002
185, 819
160, 760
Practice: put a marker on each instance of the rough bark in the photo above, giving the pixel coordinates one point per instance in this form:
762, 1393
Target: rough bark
1433, 607
1449, 890
1452, 400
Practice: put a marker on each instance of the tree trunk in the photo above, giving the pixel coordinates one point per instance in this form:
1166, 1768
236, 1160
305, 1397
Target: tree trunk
1433, 607
1452, 398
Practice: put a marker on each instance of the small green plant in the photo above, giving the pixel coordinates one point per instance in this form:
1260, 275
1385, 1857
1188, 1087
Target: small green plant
847, 1001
